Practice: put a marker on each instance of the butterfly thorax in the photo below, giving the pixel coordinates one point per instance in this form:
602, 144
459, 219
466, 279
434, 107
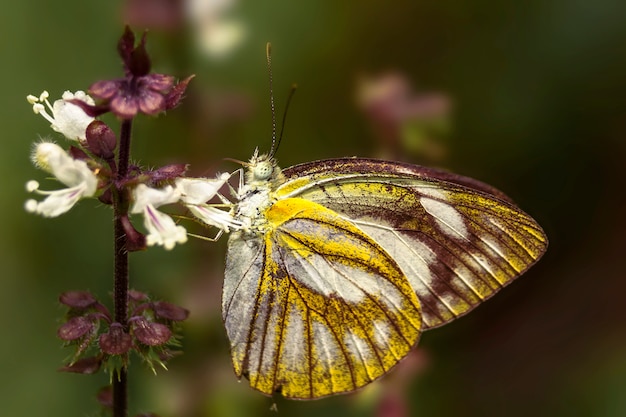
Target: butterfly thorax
263, 176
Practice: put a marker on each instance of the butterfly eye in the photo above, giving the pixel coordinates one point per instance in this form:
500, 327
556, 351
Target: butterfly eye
263, 170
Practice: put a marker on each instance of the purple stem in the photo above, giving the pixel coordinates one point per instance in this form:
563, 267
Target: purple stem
120, 290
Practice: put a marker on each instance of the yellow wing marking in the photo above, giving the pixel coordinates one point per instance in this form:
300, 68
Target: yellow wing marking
332, 312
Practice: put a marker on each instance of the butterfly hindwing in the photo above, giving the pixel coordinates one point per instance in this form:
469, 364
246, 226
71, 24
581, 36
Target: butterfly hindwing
314, 306
457, 240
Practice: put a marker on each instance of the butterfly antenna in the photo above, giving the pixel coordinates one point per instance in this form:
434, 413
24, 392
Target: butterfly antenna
268, 55
294, 87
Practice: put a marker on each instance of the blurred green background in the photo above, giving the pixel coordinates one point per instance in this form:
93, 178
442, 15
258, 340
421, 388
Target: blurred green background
528, 96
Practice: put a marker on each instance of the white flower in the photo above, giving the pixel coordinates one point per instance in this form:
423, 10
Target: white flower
200, 190
195, 192
74, 173
66, 118
162, 230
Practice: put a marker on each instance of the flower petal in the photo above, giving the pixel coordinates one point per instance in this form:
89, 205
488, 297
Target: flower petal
144, 196
200, 190
124, 106
69, 119
213, 216
57, 202
162, 230
67, 116
71, 172
158, 82
105, 89
151, 102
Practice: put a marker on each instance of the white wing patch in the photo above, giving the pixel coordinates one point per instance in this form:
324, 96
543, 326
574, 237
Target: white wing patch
447, 217
324, 346
240, 289
358, 347
336, 279
293, 352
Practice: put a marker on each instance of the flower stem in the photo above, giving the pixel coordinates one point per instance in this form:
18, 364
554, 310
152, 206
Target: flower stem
120, 394
124, 152
120, 290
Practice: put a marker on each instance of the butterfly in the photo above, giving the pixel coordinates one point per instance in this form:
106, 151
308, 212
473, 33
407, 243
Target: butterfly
334, 268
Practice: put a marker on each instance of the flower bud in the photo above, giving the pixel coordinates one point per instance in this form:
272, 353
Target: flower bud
168, 172
77, 153
101, 139
169, 311
86, 366
135, 241
115, 341
77, 299
149, 333
137, 296
75, 328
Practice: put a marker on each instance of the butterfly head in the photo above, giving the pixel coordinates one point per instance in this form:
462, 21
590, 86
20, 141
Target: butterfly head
262, 169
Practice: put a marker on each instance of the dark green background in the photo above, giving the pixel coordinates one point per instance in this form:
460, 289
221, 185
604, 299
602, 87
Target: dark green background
540, 113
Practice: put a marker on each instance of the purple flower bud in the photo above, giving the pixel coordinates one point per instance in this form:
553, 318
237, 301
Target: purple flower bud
137, 296
126, 44
168, 172
149, 333
138, 64
85, 366
135, 241
77, 299
106, 197
101, 139
77, 153
136, 60
169, 311
75, 328
115, 341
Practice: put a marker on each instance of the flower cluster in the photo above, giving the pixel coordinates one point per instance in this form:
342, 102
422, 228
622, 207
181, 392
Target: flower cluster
150, 332
88, 168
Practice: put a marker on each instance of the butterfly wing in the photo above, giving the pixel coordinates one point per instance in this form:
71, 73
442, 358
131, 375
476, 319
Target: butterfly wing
457, 240
313, 306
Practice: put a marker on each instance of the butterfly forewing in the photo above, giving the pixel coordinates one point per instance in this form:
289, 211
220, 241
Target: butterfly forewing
457, 240
314, 306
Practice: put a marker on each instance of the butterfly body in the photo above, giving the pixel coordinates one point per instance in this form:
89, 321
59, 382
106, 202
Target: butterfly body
339, 266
